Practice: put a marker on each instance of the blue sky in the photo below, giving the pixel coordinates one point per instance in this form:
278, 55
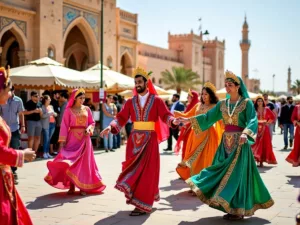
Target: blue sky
274, 31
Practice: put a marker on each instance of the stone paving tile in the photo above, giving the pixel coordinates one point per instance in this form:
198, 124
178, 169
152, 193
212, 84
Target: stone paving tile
49, 206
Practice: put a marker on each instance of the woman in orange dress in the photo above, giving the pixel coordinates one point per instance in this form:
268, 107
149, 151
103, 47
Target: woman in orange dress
193, 99
263, 149
201, 148
294, 156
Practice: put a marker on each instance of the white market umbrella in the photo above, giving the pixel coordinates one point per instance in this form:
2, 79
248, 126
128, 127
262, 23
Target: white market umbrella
114, 81
47, 72
222, 94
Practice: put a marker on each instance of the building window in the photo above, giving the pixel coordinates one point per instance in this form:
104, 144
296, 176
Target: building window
51, 53
153, 80
196, 57
109, 62
160, 81
126, 30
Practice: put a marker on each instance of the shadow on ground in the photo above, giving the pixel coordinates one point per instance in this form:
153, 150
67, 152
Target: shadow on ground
181, 201
220, 221
294, 180
175, 185
55, 200
264, 169
122, 218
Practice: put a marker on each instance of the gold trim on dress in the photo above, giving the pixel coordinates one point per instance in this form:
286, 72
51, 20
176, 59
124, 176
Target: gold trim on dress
235, 117
82, 185
62, 139
225, 205
195, 125
200, 148
250, 133
20, 158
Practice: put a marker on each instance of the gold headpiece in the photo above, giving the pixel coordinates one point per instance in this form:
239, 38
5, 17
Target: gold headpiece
190, 93
80, 90
142, 72
6, 74
232, 76
259, 97
210, 86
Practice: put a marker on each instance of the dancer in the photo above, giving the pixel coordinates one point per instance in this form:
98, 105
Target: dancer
12, 209
75, 164
232, 184
200, 148
140, 172
294, 156
263, 149
193, 99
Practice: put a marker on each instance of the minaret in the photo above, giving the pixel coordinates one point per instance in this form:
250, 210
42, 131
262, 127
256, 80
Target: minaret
289, 81
245, 45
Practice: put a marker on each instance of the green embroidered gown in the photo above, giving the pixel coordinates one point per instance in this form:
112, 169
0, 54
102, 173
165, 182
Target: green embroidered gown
232, 184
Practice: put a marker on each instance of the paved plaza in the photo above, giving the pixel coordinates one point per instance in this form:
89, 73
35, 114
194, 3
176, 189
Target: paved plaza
49, 206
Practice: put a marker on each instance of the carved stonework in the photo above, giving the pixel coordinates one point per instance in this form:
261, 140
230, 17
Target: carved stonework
4, 22
70, 14
124, 48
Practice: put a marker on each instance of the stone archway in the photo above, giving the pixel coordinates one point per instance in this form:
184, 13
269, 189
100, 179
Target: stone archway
76, 50
12, 45
126, 64
80, 45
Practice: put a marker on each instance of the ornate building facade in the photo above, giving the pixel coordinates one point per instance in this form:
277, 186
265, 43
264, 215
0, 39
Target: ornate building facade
69, 32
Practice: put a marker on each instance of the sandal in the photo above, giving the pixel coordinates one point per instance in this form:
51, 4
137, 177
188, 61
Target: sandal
71, 191
137, 213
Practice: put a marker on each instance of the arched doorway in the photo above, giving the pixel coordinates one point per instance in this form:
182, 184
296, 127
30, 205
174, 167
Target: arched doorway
126, 64
76, 50
10, 50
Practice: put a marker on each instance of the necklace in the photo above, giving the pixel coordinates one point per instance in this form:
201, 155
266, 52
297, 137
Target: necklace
228, 109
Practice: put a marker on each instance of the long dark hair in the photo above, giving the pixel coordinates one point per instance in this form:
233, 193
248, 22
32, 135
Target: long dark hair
256, 105
44, 98
212, 96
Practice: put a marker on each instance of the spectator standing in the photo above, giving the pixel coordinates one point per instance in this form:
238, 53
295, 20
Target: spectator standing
177, 106
271, 106
12, 114
286, 122
109, 112
48, 124
56, 108
117, 137
33, 113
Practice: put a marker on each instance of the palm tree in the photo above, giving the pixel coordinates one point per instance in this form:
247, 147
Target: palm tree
180, 79
296, 87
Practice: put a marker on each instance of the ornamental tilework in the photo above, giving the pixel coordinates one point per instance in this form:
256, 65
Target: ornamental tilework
70, 14
93, 22
4, 22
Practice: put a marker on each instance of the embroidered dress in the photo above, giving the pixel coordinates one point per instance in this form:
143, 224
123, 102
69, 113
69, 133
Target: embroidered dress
139, 178
12, 209
75, 163
232, 184
263, 149
200, 148
294, 156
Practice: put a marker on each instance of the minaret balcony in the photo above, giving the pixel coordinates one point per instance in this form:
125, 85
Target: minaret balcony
245, 42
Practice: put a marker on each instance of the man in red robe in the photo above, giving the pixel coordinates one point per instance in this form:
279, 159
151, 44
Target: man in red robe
140, 172
12, 209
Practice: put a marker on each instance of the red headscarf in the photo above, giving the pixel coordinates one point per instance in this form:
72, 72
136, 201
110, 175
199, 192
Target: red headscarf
195, 100
161, 128
71, 100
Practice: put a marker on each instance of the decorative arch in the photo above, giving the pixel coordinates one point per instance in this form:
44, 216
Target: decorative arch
69, 55
7, 44
126, 63
17, 32
88, 34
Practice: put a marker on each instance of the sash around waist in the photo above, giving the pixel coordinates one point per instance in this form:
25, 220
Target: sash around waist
77, 127
233, 128
143, 125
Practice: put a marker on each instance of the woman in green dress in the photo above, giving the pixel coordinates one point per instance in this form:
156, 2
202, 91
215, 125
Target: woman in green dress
232, 184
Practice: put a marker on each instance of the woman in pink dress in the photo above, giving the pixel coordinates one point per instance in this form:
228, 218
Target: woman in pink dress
75, 164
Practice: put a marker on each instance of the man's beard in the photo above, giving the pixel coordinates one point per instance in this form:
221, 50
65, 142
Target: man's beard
140, 89
174, 100
291, 102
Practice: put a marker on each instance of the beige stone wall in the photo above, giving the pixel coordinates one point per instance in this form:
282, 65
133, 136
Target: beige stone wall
156, 65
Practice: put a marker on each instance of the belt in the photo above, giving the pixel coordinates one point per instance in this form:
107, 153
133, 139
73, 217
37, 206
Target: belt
233, 128
141, 125
77, 127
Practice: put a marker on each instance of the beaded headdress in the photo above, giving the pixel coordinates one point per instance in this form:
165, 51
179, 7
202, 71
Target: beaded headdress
230, 76
210, 86
4, 77
80, 90
142, 72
